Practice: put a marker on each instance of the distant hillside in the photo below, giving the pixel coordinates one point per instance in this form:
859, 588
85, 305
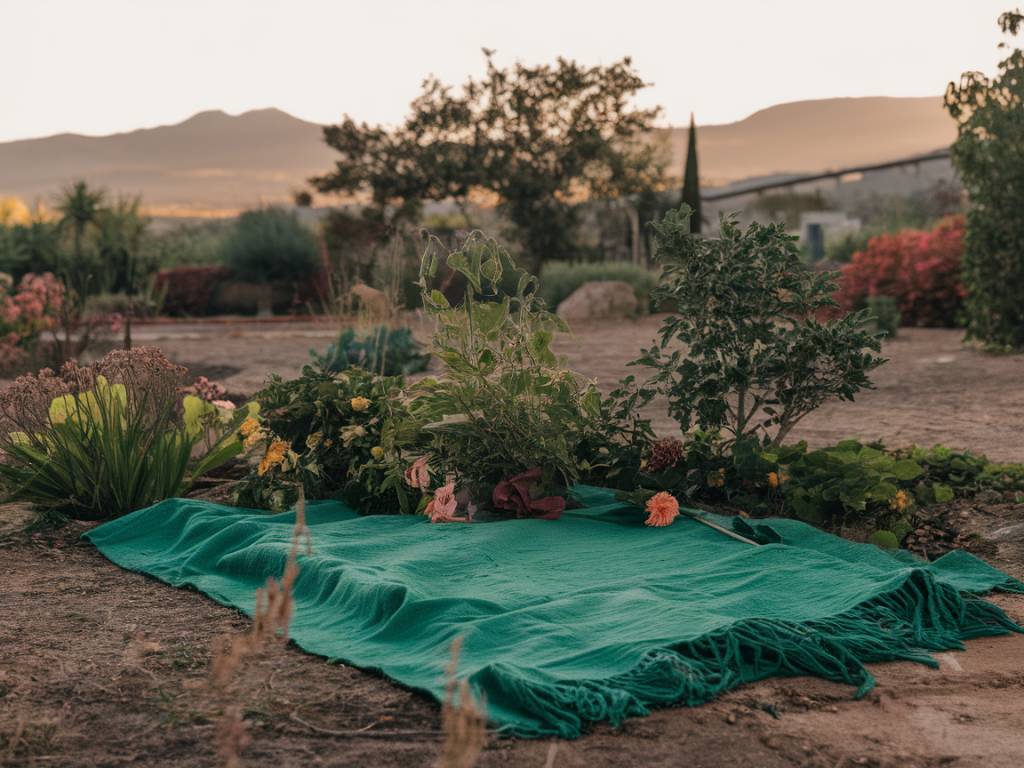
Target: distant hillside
808, 136
212, 161
218, 162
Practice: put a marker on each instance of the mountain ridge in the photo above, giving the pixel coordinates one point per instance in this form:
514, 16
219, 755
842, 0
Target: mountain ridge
217, 162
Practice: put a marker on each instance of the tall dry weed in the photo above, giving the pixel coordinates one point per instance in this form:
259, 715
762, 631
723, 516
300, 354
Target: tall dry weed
463, 719
271, 619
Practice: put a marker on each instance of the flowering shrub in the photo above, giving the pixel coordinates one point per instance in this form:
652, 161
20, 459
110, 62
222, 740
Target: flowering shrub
107, 439
331, 434
25, 312
920, 270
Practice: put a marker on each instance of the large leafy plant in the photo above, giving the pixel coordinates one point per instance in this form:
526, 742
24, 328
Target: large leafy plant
504, 406
744, 352
104, 440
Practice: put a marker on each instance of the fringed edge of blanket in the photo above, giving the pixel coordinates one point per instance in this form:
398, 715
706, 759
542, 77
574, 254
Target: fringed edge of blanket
920, 615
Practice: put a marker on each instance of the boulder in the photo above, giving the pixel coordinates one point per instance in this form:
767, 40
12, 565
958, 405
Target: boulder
599, 300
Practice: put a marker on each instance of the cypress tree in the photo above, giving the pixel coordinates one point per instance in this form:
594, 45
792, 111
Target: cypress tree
691, 181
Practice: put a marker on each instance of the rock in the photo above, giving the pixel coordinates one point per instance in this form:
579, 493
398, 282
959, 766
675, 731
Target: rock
599, 300
369, 301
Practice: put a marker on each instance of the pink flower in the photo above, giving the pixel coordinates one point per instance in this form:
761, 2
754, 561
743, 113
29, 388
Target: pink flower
227, 405
418, 475
662, 509
441, 508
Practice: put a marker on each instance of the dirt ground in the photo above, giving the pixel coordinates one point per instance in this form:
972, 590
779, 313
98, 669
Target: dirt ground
100, 667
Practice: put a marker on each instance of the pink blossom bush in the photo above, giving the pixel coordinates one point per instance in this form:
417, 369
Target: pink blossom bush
25, 312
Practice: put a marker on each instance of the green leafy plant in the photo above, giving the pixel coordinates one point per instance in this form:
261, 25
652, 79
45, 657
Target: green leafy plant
743, 353
987, 152
383, 350
965, 473
505, 406
111, 438
334, 435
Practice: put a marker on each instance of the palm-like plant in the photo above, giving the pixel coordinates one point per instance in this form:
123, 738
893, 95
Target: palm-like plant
79, 207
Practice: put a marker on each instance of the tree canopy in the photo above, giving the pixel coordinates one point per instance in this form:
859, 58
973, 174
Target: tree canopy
535, 141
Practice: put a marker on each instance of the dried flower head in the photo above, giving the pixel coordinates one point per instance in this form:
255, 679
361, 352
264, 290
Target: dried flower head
665, 454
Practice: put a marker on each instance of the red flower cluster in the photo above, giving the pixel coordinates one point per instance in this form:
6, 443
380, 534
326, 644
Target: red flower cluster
920, 270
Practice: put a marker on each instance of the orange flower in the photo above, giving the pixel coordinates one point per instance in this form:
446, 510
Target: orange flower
773, 480
662, 508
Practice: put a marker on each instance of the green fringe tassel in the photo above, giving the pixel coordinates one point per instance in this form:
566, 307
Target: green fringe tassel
920, 615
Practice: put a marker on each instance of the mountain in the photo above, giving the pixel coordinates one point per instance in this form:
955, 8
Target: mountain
211, 162
215, 162
809, 136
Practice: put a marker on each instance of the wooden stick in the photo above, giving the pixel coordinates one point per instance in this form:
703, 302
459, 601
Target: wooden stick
703, 520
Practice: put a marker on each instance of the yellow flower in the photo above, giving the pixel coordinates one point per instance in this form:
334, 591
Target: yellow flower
360, 403
377, 452
773, 480
900, 501
275, 455
249, 427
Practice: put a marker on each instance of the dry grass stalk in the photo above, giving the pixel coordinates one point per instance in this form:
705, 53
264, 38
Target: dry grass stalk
463, 720
271, 618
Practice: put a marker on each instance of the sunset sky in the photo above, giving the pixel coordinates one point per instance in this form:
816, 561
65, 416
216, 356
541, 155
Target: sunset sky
102, 66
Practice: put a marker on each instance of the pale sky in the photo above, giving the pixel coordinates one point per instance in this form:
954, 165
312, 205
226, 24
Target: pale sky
102, 66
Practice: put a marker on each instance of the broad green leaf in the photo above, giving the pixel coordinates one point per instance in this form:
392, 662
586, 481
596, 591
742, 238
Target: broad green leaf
885, 540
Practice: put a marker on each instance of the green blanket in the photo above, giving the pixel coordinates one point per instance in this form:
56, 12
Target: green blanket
590, 618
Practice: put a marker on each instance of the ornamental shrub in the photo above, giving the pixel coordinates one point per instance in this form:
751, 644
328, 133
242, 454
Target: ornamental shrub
111, 438
743, 353
921, 270
271, 244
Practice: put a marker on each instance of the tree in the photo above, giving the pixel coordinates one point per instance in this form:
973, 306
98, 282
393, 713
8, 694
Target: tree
691, 179
536, 140
989, 154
